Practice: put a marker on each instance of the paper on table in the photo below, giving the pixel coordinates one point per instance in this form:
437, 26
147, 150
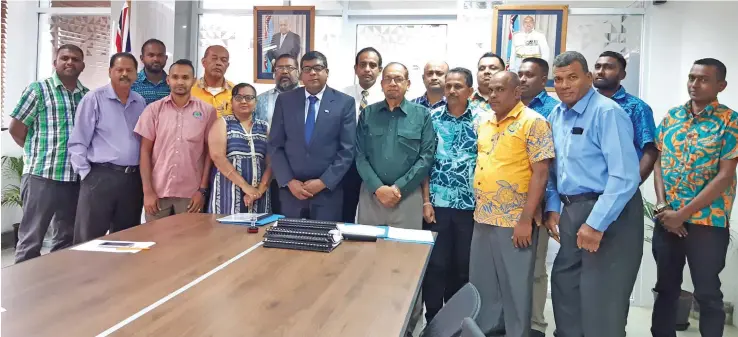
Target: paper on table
241, 218
377, 231
410, 235
112, 246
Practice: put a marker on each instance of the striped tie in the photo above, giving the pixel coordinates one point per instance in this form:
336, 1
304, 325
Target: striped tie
364, 103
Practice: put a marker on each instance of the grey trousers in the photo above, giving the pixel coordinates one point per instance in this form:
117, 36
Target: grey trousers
407, 214
503, 275
45, 200
540, 283
109, 200
591, 291
168, 207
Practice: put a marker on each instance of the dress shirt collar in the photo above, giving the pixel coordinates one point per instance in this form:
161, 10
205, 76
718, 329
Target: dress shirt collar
227, 85
709, 109
582, 104
142, 78
404, 105
169, 100
541, 96
467, 115
427, 101
110, 93
56, 81
514, 113
619, 94
478, 97
319, 95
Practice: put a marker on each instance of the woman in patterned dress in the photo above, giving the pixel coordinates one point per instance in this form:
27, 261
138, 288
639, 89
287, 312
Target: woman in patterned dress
238, 147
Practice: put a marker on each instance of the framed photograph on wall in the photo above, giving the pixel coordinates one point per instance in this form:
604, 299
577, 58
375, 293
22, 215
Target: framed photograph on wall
281, 30
520, 31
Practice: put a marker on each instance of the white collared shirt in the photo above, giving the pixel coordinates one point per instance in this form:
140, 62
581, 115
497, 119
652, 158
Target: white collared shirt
375, 94
317, 103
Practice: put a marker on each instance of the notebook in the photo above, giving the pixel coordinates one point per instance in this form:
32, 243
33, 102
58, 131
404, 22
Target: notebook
247, 218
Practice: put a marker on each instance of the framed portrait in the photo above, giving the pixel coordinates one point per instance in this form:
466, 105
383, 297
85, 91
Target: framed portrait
520, 31
281, 30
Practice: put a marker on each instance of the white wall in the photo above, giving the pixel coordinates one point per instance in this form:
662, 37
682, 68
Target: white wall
677, 34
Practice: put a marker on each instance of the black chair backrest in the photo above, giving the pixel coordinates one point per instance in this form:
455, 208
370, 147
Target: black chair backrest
447, 322
469, 328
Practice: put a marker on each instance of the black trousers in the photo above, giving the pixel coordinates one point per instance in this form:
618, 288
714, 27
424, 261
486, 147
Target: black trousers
448, 266
108, 200
274, 195
351, 189
704, 248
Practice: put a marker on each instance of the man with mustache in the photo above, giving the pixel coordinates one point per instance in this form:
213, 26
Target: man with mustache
448, 203
595, 176
533, 73
174, 164
104, 151
488, 65
41, 124
695, 191
395, 144
367, 66
609, 72
285, 77
213, 88
434, 77
151, 81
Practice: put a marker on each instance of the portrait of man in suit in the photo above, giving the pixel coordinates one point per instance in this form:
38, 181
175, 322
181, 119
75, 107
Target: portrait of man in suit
311, 143
284, 42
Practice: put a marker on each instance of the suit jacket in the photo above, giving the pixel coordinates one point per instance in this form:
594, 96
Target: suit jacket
291, 44
331, 150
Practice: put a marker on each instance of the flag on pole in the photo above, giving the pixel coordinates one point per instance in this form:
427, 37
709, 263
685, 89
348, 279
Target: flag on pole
514, 25
267, 35
122, 33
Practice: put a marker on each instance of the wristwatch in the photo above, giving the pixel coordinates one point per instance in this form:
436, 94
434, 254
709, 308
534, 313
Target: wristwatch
660, 207
203, 191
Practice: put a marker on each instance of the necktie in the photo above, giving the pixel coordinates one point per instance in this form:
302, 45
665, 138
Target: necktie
364, 103
310, 120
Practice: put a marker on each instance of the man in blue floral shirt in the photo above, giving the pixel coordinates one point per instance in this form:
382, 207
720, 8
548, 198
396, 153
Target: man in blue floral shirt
609, 72
448, 196
434, 79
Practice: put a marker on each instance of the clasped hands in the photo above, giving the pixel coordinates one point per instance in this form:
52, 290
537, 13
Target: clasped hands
388, 196
305, 190
251, 194
673, 221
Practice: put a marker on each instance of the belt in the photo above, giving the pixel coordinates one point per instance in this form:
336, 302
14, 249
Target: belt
124, 169
570, 199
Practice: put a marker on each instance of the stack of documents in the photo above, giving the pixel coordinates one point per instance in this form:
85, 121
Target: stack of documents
114, 246
389, 233
257, 219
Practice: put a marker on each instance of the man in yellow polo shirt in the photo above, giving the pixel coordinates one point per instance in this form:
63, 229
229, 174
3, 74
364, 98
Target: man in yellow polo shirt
213, 88
515, 149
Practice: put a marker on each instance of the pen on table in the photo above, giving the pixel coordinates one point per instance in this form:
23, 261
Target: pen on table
132, 248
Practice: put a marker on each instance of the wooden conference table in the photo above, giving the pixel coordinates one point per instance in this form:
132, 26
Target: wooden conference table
359, 289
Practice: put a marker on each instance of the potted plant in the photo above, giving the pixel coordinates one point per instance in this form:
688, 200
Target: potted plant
685, 298
11, 196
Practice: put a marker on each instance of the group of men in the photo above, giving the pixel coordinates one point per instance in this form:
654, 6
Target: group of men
495, 170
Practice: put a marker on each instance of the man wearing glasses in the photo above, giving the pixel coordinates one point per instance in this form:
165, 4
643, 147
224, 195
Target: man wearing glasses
311, 144
395, 146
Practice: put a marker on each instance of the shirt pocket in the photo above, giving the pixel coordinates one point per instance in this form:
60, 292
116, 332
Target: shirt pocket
374, 139
409, 142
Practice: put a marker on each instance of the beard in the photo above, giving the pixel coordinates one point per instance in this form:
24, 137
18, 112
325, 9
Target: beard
154, 68
605, 84
286, 85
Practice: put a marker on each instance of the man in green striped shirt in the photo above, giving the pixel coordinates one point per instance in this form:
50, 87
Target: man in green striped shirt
41, 124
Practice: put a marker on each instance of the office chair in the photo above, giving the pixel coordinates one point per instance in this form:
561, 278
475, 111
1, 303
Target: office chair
469, 328
447, 322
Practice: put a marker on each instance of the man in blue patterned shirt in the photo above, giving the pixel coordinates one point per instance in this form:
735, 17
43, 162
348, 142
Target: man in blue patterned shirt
488, 65
609, 72
448, 196
434, 79
533, 73
151, 82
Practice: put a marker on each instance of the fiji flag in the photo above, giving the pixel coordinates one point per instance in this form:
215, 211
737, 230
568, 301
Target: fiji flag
122, 32
514, 27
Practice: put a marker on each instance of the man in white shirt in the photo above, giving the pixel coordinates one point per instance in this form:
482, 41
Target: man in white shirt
528, 43
368, 66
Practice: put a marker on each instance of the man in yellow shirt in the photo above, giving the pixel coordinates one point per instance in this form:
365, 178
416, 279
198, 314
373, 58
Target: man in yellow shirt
515, 149
213, 88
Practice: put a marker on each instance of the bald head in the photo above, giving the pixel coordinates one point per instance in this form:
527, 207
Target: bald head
434, 76
216, 62
504, 92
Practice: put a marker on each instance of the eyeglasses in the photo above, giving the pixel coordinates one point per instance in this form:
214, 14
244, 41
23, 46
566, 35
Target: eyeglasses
244, 98
397, 80
288, 69
317, 69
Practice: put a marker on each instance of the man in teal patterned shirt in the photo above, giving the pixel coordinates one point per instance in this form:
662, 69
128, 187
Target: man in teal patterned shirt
41, 124
448, 196
151, 82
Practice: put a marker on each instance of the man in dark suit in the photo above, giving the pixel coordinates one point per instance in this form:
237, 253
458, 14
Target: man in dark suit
311, 143
286, 42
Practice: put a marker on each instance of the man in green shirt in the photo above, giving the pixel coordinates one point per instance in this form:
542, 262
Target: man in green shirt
395, 146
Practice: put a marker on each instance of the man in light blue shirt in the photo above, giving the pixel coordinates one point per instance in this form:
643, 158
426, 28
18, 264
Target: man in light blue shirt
596, 178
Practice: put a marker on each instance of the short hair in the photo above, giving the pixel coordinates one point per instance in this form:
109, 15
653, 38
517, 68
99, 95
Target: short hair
152, 41
123, 55
468, 79
366, 50
568, 57
490, 54
72, 48
722, 71
540, 62
183, 62
407, 73
314, 55
616, 56
207, 50
240, 86
286, 56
